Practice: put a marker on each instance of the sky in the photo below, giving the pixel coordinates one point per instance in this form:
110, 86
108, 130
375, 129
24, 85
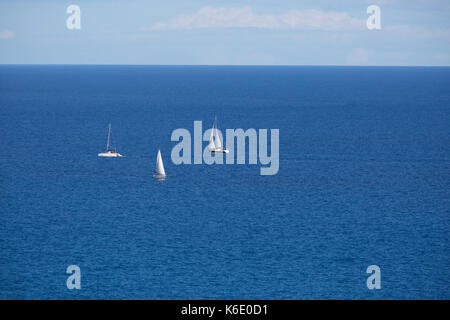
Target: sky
226, 32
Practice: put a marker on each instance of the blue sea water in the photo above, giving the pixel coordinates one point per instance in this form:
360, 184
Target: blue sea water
364, 179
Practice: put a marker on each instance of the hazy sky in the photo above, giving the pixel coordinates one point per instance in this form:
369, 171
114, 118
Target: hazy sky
262, 32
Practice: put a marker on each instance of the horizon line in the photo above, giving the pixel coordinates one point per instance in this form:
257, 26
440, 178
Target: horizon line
220, 65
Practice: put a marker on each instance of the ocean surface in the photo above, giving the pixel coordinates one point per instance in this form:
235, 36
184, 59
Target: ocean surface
364, 179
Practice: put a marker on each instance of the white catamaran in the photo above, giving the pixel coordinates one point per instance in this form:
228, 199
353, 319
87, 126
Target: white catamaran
215, 145
160, 173
109, 152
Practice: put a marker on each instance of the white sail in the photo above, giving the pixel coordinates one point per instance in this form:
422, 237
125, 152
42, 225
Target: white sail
212, 146
159, 165
214, 140
215, 144
218, 143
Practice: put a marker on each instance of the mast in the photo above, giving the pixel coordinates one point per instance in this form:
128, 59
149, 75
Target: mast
109, 137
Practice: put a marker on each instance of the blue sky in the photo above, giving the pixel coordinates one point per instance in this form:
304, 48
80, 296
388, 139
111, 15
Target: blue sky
226, 32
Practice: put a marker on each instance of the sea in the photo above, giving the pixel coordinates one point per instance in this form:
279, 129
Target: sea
363, 180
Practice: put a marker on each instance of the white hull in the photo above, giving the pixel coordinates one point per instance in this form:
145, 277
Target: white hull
110, 154
219, 150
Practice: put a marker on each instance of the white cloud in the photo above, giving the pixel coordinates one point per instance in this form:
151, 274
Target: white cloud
7, 34
244, 17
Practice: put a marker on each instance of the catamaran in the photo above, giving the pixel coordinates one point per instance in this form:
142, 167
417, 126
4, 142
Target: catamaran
109, 152
160, 173
215, 145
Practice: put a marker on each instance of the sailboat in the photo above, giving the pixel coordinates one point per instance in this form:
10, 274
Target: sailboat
109, 152
160, 173
215, 145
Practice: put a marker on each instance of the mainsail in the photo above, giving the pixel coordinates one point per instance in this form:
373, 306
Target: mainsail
159, 165
214, 140
212, 145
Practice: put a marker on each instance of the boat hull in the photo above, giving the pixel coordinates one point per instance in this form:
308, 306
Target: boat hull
110, 155
219, 151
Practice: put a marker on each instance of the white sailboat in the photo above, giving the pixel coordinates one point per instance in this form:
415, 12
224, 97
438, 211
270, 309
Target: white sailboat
160, 173
109, 152
215, 145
